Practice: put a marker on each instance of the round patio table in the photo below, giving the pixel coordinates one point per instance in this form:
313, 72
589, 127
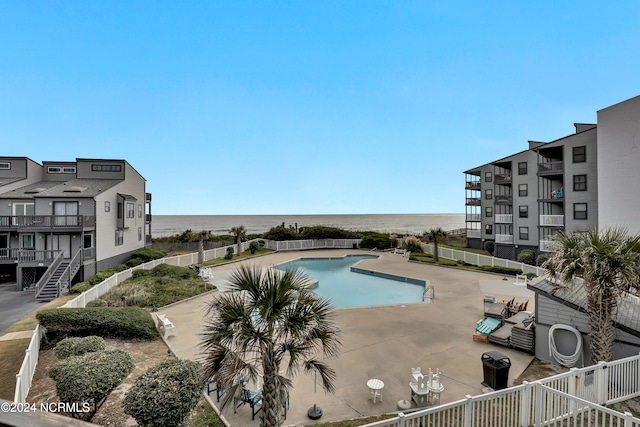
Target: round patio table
375, 388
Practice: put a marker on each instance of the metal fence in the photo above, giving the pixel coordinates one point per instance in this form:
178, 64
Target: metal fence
574, 398
25, 375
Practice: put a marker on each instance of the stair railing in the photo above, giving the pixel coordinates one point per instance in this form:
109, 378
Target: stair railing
49, 273
64, 281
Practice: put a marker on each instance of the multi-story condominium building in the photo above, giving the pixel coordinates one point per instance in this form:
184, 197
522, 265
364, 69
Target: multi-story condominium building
65, 221
584, 180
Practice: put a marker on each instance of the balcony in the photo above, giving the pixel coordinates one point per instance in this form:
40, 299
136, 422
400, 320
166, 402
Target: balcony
47, 221
28, 256
546, 245
552, 220
474, 234
504, 238
504, 218
550, 168
503, 178
503, 199
474, 217
473, 201
147, 218
472, 185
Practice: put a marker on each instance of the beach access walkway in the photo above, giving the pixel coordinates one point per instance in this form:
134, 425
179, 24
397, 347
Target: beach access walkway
382, 342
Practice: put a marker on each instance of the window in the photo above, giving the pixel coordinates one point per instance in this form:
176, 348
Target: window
524, 211
105, 168
522, 168
107, 206
69, 169
139, 234
58, 169
139, 210
579, 154
5, 165
524, 233
27, 241
54, 169
88, 241
488, 194
579, 211
24, 209
488, 212
66, 214
131, 210
488, 229
120, 210
119, 237
523, 190
487, 177
579, 182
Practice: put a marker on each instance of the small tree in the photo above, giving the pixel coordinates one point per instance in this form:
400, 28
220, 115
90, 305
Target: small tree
91, 378
489, 246
434, 236
229, 253
253, 247
165, 394
527, 257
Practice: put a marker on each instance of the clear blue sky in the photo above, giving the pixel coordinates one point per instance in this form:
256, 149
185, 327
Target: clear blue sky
302, 107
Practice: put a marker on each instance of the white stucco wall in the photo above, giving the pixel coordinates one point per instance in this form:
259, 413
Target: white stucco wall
619, 165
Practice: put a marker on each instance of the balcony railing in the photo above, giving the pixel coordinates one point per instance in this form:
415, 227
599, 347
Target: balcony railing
552, 220
473, 201
474, 234
550, 167
504, 238
47, 221
503, 198
474, 217
473, 185
546, 245
503, 178
504, 218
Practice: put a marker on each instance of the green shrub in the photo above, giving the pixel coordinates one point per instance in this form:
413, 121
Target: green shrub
527, 257
253, 247
105, 274
148, 254
115, 322
412, 244
542, 258
229, 254
165, 394
141, 273
134, 262
77, 346
375, 240
489, 246
173, 271
281, 233
79, 288
91, 378
97, 303
530, 276
500, 270
323, 232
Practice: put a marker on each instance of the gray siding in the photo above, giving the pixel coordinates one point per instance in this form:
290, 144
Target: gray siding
85, 166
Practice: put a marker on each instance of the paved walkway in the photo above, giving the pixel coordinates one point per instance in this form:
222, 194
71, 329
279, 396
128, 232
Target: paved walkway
14, 305
382, 342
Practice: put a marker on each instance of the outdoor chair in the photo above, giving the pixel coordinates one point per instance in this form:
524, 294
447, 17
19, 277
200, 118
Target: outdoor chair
420, 391
253, 398
488, 325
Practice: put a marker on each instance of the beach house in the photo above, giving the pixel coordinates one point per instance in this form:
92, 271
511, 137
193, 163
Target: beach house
62, 222
586, 179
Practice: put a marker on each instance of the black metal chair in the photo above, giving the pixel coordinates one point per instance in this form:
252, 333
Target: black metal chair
253, 398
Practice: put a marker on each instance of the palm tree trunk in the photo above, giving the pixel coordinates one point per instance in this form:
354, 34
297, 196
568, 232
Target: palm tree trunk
601, 328
239, 243
270, 396
435, 250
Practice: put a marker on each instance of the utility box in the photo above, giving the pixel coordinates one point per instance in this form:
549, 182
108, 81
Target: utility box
495, 366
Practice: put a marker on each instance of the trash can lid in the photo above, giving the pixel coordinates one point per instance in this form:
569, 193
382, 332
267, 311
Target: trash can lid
495, 355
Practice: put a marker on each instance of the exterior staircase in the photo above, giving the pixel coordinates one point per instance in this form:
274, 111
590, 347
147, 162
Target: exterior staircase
49, 290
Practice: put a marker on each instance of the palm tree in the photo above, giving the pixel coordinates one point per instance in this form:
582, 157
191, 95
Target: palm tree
434, 235
607, 263
239, 233
273, 318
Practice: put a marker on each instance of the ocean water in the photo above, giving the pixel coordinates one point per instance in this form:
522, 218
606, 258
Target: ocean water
169, 225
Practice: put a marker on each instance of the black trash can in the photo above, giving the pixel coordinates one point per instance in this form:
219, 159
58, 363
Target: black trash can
495, 366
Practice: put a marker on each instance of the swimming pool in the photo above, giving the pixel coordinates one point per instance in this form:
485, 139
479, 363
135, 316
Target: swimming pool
357, 288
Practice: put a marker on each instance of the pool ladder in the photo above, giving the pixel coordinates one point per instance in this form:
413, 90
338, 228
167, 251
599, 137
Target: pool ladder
429, 292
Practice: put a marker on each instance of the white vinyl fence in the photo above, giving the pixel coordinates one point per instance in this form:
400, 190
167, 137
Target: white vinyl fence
24, 377
574, 398
479, 260
297, 245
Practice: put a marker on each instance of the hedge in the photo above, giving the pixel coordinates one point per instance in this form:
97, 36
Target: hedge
80, 288
115, 322
91, 378
165, 394
501, 270
77, 346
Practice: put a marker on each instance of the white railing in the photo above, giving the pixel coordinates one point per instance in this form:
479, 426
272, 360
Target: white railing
474, 217
480, 260
552, 220
474, 233
504, 218
574, 398
24, 377
504, 238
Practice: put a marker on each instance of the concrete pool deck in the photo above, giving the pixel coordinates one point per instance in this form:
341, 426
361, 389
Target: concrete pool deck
382, 342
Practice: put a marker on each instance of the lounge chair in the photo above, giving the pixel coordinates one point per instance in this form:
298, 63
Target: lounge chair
488, 325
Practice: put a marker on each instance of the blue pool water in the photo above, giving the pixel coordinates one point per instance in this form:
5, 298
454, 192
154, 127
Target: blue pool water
345, 288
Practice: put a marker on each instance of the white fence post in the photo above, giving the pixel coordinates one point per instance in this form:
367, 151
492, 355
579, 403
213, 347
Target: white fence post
602, 383
401, 417
525, 403
468, 411
572, 388
537, 409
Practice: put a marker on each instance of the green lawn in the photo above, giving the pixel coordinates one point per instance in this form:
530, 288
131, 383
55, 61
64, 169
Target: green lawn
245, 254
12, 355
